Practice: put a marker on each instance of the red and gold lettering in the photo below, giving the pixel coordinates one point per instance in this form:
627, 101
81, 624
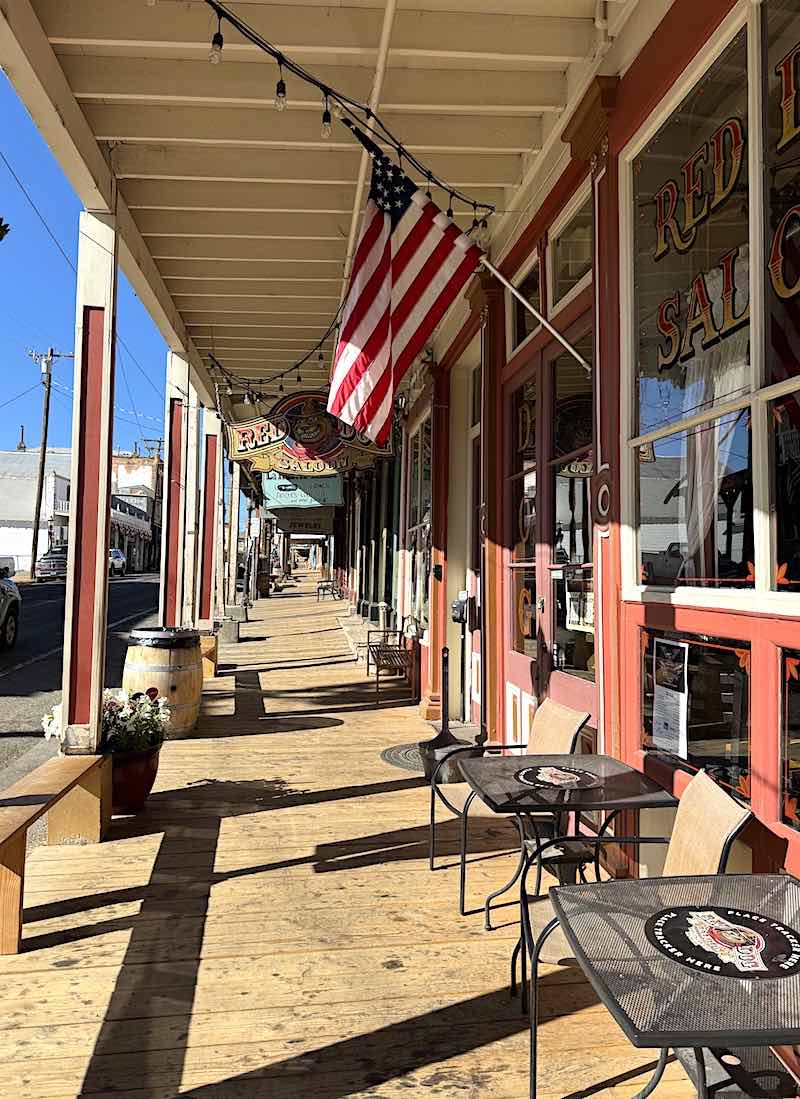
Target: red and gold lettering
698, 315
731, 135
693, 189
730, 322
666, 205
786, 71
244, 438
777, 257
668, 312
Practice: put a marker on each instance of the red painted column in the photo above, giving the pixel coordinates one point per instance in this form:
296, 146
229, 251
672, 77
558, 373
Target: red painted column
90, 479
172, 528
431, 704
209, 519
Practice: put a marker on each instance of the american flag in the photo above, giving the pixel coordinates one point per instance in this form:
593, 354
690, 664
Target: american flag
411, 263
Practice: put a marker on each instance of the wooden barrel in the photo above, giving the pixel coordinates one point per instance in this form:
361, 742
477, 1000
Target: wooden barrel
169, 660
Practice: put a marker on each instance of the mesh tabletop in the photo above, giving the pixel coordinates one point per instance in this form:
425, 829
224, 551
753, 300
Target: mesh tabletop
519, 784
703, 961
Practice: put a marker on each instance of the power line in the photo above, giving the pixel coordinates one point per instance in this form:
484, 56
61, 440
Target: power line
24, 393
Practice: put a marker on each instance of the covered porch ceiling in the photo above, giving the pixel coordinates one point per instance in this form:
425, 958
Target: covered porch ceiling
248, 213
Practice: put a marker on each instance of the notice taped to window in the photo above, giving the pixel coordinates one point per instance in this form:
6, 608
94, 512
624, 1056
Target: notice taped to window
670, 695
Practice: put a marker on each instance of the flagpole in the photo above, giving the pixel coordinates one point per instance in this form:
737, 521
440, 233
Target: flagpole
531, 309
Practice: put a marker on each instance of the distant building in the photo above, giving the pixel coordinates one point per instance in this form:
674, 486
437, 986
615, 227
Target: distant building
135, 509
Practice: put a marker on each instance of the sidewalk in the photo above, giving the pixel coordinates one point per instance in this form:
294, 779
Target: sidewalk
268, 926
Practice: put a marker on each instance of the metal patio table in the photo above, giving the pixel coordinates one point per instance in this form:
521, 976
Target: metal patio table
530, 785
704, 963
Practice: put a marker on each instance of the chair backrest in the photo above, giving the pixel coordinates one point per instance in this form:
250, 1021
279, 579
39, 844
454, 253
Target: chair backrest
706, 824
555, 729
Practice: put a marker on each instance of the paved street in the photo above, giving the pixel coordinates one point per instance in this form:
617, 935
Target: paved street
30, 675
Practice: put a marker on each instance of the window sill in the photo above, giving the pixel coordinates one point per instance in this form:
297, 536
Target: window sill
772, 603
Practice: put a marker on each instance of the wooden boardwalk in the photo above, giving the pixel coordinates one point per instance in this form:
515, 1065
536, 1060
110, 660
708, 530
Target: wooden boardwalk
268, 926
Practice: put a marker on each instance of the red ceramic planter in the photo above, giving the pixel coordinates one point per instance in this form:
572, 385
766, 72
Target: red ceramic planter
132, 777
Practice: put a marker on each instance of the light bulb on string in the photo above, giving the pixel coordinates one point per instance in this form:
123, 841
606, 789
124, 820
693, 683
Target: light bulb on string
247, 398
321, 356
299, 378
217, 42
280, 88
280, 386
450, 207
338, 110
326, 118
229, 390
428, 188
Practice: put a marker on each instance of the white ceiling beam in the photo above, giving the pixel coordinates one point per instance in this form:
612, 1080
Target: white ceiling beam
261, 270
142, 80
28, 61
301, 31
309, 288
264, 128
258, 303
297, 165
214, 250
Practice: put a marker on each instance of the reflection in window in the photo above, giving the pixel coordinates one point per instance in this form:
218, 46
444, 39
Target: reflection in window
572, 430
696, 506
572, 251
782, 187
696, 704
786, 487
413, 510
691, 261
523, 616
791, 737
573, 528
476, 397
425, 473
524, 322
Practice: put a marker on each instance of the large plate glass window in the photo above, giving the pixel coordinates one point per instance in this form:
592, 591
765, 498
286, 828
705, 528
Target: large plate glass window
571, 469
790, 659
696, 703
691, 251
522, 517
523, 321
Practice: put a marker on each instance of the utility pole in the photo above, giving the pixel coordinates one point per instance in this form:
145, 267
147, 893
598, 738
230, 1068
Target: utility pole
45, 362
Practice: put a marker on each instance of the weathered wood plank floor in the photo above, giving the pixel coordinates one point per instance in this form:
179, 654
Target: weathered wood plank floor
268, 926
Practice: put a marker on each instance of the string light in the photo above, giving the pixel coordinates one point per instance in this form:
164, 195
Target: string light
326, 119
280, 88
247, 398
280, 386
299, 378
450, 208
344, 107
217, 42
229, 390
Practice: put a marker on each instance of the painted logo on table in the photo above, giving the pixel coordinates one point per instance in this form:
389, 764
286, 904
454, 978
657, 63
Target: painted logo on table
301, 438
726, 941
561, 778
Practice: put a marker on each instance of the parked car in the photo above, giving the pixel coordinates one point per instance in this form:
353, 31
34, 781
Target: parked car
53, 564
10, 607
117, 563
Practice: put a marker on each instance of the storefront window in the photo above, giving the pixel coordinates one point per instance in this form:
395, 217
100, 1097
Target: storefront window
524, 321
572, 574
696, 704
571, 250
791, 737
419, 530
691, 261
696, 506
523, 520
785, 418
476, 397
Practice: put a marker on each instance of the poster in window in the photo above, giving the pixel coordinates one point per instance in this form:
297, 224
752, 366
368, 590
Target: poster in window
580, 603
671, 695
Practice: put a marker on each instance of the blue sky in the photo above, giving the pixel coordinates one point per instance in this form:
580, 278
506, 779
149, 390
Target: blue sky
37, 301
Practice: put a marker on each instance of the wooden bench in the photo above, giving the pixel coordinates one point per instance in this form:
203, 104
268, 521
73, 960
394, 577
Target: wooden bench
328, 587
389, 654
75, 792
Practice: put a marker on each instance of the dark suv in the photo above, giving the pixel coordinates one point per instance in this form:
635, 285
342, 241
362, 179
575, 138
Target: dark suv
53, 564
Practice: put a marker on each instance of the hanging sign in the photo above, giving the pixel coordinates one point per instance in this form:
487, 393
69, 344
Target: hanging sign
303, 521
300, 438
300, 492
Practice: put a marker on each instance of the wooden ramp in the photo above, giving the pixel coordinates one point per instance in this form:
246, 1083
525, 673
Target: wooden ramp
268, 926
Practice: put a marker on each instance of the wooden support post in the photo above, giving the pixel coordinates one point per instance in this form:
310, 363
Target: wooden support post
84, 814
191, 514
172, 549
212, 433
90, 478
12, 883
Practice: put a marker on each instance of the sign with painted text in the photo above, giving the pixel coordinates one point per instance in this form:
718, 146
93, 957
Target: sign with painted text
299, 438
301, 492
305, 521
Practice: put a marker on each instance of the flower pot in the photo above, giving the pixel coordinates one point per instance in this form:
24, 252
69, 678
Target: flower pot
132, 778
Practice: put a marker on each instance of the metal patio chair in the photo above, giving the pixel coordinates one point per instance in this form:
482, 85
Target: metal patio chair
707, 822
555, 730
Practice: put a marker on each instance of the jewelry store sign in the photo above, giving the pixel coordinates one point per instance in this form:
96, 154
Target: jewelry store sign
300, 438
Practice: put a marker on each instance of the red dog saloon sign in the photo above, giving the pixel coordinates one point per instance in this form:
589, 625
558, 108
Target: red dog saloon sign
300, 437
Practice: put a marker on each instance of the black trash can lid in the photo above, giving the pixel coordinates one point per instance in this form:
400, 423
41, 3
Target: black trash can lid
165, 637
